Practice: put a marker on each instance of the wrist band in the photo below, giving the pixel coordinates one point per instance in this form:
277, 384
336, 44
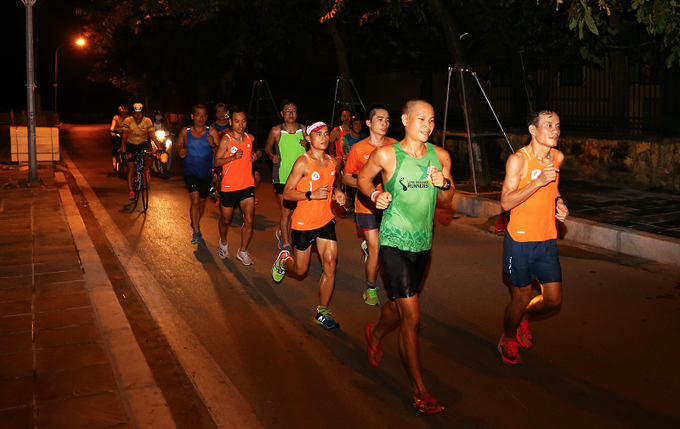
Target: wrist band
375, 191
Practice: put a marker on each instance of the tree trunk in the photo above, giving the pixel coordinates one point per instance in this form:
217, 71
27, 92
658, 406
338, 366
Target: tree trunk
344, 96
451, 32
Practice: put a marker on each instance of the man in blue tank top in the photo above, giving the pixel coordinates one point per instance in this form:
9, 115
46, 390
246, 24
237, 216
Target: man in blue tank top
196, 146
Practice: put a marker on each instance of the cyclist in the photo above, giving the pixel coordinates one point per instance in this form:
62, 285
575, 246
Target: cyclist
116, 131
137, 129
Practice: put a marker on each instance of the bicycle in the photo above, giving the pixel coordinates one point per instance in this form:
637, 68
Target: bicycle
140, 185
120, 156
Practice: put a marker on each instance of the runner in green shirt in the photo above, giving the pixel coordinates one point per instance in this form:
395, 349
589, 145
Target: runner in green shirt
415, 173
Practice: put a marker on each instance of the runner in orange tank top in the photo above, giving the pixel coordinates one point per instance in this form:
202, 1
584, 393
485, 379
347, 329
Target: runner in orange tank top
236, 154
312, 182
367, 216
530, 249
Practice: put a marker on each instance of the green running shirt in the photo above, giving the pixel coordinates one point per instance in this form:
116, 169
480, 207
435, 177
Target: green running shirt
407, 221
289, 149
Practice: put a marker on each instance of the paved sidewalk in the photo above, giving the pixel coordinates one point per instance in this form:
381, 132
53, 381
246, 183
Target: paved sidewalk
66, 350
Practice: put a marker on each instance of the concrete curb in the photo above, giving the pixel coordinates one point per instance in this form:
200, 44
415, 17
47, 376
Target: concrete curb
644, 245
143, 398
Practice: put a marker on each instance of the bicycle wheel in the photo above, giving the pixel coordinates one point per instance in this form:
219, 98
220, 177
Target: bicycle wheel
144, 191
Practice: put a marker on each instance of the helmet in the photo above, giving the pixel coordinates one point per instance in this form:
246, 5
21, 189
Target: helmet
138, 107
122, 109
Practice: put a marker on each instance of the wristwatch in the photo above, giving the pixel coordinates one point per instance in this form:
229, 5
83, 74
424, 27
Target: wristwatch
445, 187
308, 195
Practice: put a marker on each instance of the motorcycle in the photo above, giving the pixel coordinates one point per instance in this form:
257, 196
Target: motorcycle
164, 154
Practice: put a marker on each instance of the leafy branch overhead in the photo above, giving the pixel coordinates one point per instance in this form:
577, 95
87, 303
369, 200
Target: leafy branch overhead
660, 19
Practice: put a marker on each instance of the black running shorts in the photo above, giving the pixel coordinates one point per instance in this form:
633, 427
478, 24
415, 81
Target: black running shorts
404, 270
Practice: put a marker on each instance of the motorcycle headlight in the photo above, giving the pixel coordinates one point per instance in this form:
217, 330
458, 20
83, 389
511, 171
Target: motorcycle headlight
160, 134
168, 143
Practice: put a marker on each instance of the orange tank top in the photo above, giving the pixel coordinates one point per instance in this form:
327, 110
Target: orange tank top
238, 174
313, 214
534, 219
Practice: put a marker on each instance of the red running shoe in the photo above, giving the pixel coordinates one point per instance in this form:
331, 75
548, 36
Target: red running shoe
524, 335
509, 352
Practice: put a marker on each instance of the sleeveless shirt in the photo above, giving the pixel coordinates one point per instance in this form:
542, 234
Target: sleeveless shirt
289, 149
313, 214
407, 221
238, 174
534, 219
199, 158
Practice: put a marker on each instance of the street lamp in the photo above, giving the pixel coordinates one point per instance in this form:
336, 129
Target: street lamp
79, 42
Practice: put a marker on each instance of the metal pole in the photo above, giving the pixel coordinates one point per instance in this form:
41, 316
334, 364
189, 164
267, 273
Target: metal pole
55, 78
30, 90
467, 126
505, 136
446, 108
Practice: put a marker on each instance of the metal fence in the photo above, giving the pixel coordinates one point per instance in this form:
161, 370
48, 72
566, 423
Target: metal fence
628, 99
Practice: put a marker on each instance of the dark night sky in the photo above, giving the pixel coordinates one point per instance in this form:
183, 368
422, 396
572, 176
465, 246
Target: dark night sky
55, 23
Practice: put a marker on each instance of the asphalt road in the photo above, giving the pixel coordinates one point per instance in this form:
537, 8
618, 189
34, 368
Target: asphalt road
607, 360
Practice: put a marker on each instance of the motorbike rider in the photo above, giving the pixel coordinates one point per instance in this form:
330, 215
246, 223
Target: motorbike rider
137, 129
116, 131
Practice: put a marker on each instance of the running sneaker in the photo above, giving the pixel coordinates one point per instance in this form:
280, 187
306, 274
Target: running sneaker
244, 257
509, 352
323, 318
278, 270
371, 296
257, 201
197, 238
279, 238
524, 335
131, 195
364, 247
217, 201
224, 250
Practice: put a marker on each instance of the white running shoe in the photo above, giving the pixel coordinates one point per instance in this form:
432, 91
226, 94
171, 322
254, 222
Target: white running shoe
224, 250
244, 257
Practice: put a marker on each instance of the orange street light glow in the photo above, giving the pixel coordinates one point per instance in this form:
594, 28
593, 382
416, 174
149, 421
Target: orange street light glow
80, 42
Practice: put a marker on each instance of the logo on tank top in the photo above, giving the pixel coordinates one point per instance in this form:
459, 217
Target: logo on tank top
414, 184
316, 176
535, 174
233, 149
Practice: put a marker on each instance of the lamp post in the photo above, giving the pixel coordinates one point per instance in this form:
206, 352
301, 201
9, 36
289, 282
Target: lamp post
30, 93
79, 42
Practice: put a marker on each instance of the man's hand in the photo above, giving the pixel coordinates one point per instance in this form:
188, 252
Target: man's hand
549, 174
382, 200
437, 177
183, 152
561, 210
238, 154
340, 197
320, 194
255, 155
276, 159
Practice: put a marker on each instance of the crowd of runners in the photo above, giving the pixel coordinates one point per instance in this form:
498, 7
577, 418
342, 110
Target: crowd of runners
393, 188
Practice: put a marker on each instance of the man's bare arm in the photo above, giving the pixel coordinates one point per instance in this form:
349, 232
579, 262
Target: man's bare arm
300, 169
181, 142
222, 150
439, 177
510, 195
272, 138
375, 165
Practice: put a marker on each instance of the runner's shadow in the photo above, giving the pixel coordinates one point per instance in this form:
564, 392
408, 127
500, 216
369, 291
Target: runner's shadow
478, 354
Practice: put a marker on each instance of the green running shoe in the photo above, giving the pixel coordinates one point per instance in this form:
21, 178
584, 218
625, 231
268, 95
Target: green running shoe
323, 318
371, 296
278, 272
